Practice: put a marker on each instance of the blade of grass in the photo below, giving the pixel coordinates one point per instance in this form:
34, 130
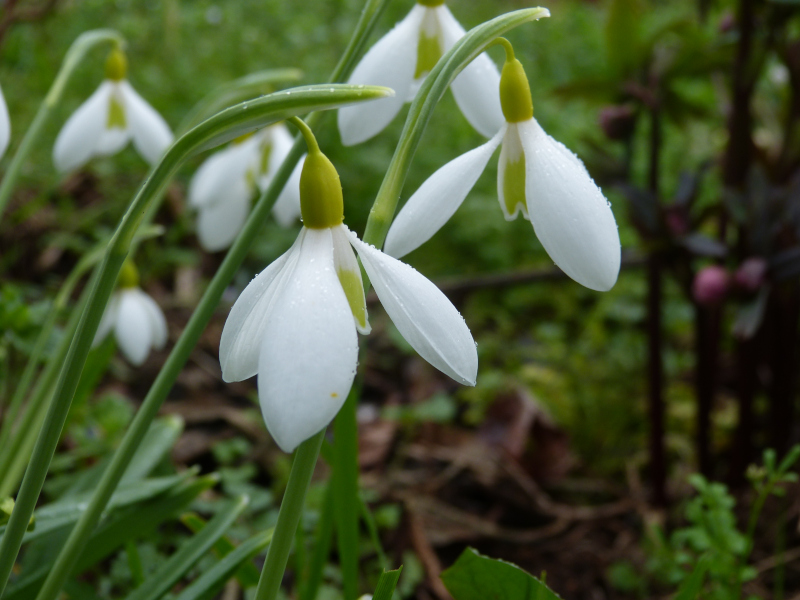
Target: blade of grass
345, 492
176, 567
386, 584
322, 547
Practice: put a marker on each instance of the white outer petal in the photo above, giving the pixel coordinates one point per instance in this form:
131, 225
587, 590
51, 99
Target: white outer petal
286, 209
219, 173
391, 62
422, 313
150, 132
477, 87
108, 320
437, 199
309, 350
218, 223
158, 323
570, 215
241, 338
133, 329
76, 141
5, 125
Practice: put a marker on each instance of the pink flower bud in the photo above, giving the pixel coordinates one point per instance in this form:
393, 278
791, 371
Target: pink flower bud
750, 275
710, 285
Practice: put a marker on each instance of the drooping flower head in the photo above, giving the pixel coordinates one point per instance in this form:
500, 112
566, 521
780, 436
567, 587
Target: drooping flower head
5, 125
223, 186
295, 324
113, 116
538, 177
134, 317
403, 57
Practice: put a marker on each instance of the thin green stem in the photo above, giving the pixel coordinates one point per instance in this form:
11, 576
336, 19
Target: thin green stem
305, 459
501, 41
308, 135
75, 55
10, 417
15, 455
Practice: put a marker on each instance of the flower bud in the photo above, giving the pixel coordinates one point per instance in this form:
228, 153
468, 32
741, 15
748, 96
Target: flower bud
321, 202
515, 91
618, 122
710, 285
116, 65
128, 275
751, 274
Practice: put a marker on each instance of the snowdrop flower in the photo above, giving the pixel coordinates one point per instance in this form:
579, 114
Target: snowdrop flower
403, 57
295, 324
135, 318
5, 125
538, 177
108, 120
224, 184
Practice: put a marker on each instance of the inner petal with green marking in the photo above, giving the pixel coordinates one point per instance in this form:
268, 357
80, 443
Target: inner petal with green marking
429, 47
354, 291
266, 152
116, 114
514, 186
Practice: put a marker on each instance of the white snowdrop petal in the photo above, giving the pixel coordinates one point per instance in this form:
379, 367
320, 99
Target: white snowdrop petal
108, 320
309, 348
281, 141
220, 222
286, 209
219, 173
158, 323
150, 132
5, 125
570, 215
477, 88
437, 199
75, 143
132, 329
391, 62
422, 313
241, 338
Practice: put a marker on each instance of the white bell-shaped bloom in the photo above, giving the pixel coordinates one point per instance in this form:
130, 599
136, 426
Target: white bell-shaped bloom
137, 322
537, 176
223, 186
5, 125
295, 326
113, 116
403, 57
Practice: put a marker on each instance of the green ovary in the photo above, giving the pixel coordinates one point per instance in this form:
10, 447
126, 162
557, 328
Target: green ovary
354, 291
429, 51
514, 186
116, 114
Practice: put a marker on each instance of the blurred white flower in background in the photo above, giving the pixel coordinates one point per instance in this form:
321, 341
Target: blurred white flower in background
113, 116
136, 320
5, 125
223, 186
403, 57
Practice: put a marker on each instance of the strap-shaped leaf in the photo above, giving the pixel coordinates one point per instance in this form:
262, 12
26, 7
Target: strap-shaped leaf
208, 584
189, 553
386, 584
